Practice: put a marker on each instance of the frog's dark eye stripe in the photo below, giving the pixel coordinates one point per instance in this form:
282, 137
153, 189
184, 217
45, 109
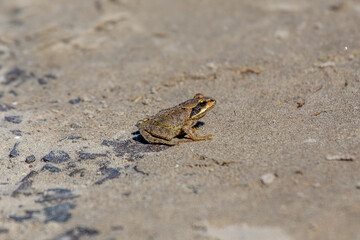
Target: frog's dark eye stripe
202, 104
196, 110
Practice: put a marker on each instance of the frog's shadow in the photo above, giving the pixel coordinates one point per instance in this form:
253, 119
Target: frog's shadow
141, 139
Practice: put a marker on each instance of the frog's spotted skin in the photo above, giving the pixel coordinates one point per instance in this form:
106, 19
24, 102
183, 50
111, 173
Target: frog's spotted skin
169, 123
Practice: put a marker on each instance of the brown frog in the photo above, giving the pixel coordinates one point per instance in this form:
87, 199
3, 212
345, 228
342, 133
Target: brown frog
169, 123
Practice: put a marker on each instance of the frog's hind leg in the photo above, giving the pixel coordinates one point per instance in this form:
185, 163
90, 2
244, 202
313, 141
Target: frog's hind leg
192, 134
152, 139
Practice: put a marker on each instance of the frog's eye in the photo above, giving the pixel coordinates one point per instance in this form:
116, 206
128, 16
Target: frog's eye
202, 103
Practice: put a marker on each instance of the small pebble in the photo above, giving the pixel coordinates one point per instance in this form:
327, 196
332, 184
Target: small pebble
25, 184
110, 172
57, 156
56, 195
16, 132
13, 75
30, 159
28, 216
326, 64
282, 34
13, 119
358, 185
42, 81
51, 168
59, 213
5, 107
76, 100
14, 152
267, 178
78, 233
340, 157
52, 76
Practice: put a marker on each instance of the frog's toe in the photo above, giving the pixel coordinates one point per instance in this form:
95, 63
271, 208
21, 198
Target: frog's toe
208, 137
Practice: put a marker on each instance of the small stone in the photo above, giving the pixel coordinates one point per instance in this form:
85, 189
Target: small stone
51, 76
5, 107
310, 140
74, 126
13, 119
42, 81
57, 156
73, 137
77, 233
58, 213
25, 186
13, 75
51, 168
86, 156
111, 174
3, 230
299, 101
28, 216
340, 157
358, 185
56, 195
76, 100
13, 93
30, 159
282, 34
325, 64
70, 138
16, 132
80, 171
267, 178
14, 152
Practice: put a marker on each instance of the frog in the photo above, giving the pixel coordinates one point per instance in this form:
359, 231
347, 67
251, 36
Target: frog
166, 125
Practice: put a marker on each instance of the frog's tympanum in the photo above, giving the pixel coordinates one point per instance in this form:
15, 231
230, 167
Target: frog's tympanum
169, 123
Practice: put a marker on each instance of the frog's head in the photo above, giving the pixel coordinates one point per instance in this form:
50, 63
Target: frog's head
201, 105
140, 122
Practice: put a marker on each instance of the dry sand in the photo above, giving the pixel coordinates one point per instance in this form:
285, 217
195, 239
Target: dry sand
75, 76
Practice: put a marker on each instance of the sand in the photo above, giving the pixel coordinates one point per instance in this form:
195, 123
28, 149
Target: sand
76, 76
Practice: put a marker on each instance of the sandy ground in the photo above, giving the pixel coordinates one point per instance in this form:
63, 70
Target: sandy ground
75, 77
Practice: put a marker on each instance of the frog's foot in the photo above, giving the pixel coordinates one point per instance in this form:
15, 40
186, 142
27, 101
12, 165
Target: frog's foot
192, 134
207, 137
152, 139
202, 138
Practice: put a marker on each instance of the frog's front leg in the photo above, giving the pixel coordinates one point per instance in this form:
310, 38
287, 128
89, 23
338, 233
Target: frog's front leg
192, 134
153, 139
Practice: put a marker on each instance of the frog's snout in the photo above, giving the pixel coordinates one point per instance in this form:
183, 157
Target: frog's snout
211, 103
140, 122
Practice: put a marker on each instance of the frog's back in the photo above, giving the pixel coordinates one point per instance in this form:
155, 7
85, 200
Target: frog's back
172, 117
